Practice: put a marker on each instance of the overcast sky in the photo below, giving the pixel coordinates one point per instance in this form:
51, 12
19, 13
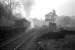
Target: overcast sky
62, 7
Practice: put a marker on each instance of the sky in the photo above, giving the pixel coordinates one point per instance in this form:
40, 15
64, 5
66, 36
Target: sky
62, 7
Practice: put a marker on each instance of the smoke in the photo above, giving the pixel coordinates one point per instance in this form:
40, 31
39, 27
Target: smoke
24, 9
21, 9
24, 6
27, 5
